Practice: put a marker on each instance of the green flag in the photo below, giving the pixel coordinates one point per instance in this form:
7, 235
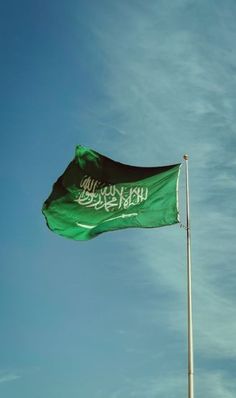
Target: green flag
96, 194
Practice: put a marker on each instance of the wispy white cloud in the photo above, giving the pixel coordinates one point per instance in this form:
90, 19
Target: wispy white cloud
210, 384
166, 86
170, 85
215, 385
6, 377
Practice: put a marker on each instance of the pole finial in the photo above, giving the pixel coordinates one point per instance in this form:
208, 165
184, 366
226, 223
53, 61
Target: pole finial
185, 156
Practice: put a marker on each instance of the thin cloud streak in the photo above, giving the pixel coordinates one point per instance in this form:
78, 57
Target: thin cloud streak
6, 377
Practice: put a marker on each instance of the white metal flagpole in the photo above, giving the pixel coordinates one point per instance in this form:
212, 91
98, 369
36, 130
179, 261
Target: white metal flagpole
189, 290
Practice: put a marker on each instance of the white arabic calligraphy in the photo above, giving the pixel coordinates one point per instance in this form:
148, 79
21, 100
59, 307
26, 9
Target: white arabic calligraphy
111, 197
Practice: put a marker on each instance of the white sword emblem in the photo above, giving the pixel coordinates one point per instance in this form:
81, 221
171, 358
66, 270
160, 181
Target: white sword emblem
109, 219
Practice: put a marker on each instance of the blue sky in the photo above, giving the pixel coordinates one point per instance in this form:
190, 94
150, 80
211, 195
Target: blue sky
143, 83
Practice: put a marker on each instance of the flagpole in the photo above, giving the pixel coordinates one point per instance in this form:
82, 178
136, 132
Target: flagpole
189, 289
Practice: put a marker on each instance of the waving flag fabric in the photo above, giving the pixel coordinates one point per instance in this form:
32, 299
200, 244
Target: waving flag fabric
96, 194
